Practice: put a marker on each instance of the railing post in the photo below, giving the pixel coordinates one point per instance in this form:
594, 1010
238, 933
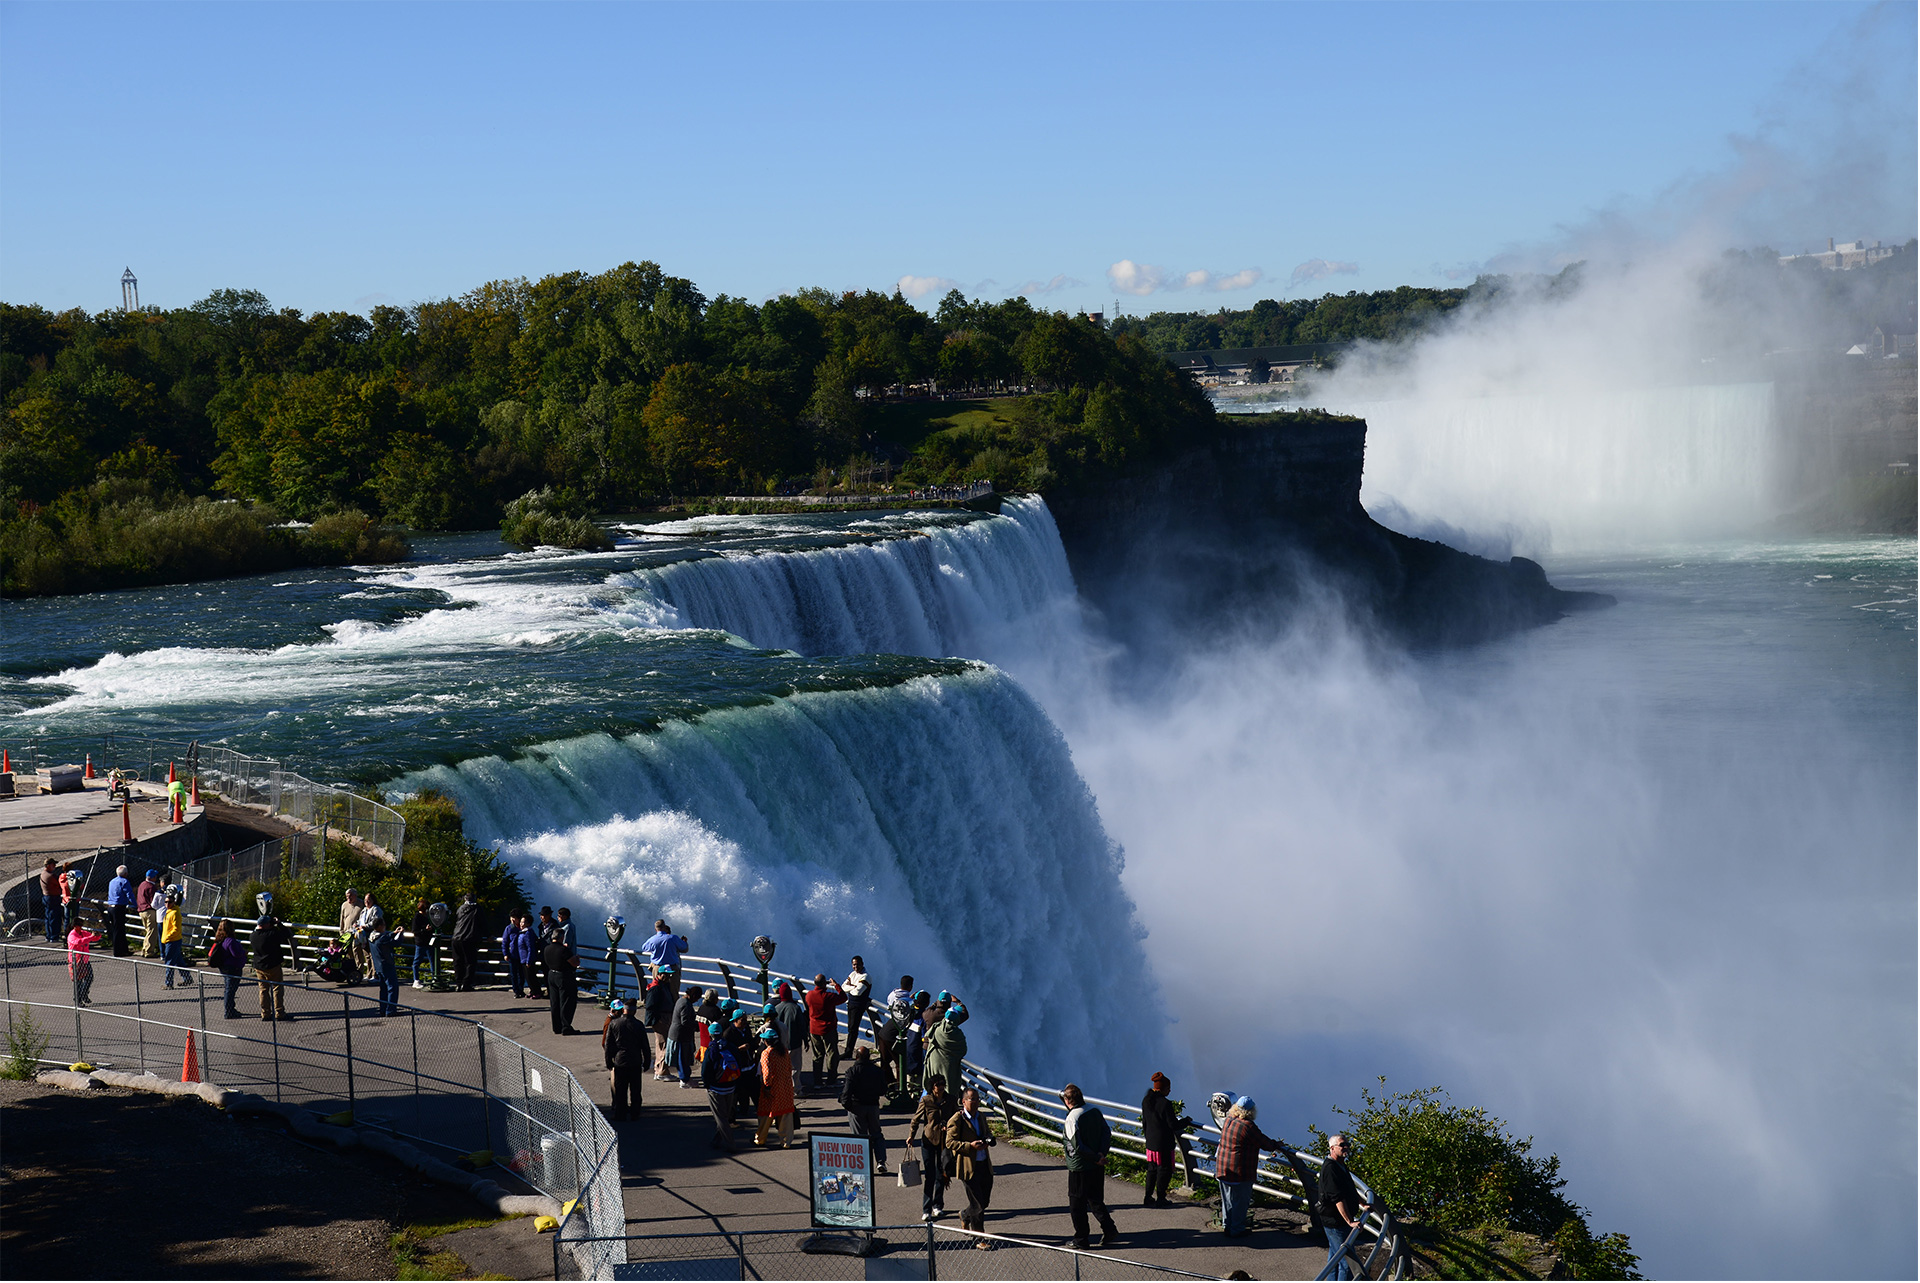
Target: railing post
933, 1268
79, 1047
413, 1032
275, 1022
740, 1252
346, 1023
486, 1114
139, 1016
201, 989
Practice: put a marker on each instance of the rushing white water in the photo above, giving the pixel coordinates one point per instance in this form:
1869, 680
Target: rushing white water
937, 826
978, 590
1613, 468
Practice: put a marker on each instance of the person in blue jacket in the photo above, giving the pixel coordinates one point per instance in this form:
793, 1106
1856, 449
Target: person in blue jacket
119, 901
516, 946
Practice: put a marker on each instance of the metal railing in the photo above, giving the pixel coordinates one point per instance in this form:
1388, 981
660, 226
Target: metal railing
1036, 1108
436, 1079
237, 777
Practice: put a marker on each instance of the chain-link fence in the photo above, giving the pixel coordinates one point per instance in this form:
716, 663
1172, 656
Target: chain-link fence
237, 777
439, 1080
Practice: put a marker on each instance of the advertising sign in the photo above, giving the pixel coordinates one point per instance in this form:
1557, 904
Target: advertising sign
840, 1175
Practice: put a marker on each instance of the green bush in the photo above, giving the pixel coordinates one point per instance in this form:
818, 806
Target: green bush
26, 1045
543, 518
1457, 1168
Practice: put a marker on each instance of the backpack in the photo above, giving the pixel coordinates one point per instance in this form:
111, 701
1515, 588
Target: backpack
1096, 1138
729, 1067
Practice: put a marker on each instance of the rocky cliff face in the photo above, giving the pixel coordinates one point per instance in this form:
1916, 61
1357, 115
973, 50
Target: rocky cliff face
1244, 530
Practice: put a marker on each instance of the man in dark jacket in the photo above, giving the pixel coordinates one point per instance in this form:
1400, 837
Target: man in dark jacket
718, 1081
1087, 1139
866, 1084
563, 990
1340, 1206
270, 939
466, 942
1161, 1130
656, 1013
625, 1044
51, 913
683, 1032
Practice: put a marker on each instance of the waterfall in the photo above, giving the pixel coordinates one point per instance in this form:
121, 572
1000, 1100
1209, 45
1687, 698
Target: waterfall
1616, 468
981, 590
937, 827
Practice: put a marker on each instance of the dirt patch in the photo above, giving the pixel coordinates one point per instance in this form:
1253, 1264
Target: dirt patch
112, 1184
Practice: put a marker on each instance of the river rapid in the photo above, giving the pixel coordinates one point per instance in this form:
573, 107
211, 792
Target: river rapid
1641, 881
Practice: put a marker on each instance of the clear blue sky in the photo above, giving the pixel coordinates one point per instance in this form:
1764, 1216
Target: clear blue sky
338, 155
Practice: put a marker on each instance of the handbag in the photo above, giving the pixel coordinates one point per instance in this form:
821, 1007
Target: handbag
909, 1173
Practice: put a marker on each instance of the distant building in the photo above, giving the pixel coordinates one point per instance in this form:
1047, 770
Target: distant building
1232, 365
1844, 256
1098, 318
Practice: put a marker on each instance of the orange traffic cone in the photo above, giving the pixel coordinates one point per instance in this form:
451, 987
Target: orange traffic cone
169, 772
194, 800
189, 1064
89, 774
6, 763
173, 809
126, 822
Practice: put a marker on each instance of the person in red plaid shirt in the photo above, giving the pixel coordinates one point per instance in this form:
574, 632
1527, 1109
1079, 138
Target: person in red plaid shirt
1236, 1161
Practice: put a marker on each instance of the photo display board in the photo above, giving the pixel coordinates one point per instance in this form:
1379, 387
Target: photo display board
840, 1177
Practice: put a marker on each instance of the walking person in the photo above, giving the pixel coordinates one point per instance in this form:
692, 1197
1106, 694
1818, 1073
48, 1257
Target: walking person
823, 1031
968, 1140
858, 987
624, 1045
422, 934
563, 992
1161, 1131
929, 1126
270, 939
718, 1073
776, 1089
229, 957
1087, 1138
860, 1095
466, 943
80, 942
173, 940
516, 947
383, 947
1341, 1210
53, 914
1236, 1162
119, 902
146, 899
683, 1037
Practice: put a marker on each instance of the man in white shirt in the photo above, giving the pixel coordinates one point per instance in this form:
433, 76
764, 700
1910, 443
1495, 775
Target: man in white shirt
859, 991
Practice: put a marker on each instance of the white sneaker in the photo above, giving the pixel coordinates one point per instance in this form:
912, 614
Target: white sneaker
418, 985
926, 1216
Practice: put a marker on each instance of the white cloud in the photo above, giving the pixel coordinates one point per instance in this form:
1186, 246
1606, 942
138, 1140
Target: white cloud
1129, 277
1058, 283
921, 286
1318, 269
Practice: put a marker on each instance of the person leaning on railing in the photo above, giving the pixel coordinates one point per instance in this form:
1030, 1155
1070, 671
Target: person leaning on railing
119, 900
1161, 1131
1340, 1207
270, 939
1237, 1161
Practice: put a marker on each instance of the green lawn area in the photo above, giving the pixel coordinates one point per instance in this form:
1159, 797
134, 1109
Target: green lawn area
909, 423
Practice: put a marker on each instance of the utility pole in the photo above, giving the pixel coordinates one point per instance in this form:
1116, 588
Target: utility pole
129, 291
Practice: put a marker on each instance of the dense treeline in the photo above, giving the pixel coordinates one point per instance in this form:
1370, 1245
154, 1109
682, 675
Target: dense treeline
1383, 314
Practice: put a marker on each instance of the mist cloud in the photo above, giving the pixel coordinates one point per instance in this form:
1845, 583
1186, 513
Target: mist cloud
1142, 279
1318, 269
921, 286
1053, 286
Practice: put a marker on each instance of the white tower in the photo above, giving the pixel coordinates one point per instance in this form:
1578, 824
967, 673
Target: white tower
129, 291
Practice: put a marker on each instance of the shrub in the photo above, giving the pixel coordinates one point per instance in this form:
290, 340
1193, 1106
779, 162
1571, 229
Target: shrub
26, 1045
350, 536
541, 517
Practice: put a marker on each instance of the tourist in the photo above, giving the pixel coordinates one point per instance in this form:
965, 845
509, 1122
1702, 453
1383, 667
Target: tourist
173, 940
791, 1019
683, 1035
823, 1031
119, 900
52, 913
860, 1095
947, 1045
466, 943
422, 933
718, 1073
516, 947
80, 942
663, 947
371, 911
270, 938
930, 1127
1161, 1131
913, 1043
1341, 1210
740, 1041
776, 1088
886, 1033
546, 924
383, 946
229, 957
656, 1013
1086, 1138
564, 927
1237, 1161
145, 898
350, 933
542, 931
624, 1044
859, 990
563, 987
968, 1139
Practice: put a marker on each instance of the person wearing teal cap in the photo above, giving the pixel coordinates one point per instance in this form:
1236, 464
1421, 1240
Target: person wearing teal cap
624, 1045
